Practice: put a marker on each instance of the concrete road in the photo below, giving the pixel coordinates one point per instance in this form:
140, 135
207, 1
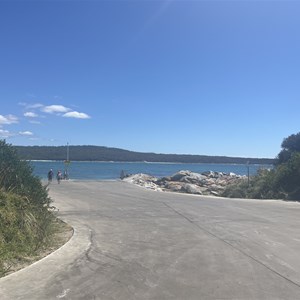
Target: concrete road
130, 243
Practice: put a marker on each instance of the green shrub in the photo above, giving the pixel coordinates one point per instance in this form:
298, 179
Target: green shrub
287, 177
236, 190
283, 182
26, 214
17, 176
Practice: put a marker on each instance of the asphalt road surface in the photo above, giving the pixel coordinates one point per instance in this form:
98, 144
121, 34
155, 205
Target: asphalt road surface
131, 243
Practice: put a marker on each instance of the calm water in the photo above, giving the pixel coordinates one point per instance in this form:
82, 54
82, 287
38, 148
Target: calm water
112, 170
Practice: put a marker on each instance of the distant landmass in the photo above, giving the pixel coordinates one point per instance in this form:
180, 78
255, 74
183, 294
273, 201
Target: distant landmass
101, 153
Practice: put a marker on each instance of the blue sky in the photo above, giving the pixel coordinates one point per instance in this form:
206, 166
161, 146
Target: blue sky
190, 77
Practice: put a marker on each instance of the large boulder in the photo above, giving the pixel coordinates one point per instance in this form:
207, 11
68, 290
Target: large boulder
144, 180
195, 178
163, 180
179, 175
173, 186
191, 189
188, 177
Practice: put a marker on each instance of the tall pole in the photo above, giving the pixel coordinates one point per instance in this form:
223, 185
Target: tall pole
248, 173
67, 152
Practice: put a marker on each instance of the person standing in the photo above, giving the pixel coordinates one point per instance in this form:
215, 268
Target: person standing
58, 176
50, 175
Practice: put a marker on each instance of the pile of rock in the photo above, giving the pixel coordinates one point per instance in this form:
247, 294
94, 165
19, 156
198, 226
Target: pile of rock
144, 180
206, 183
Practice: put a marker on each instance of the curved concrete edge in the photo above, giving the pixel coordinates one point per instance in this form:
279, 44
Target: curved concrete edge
77, 245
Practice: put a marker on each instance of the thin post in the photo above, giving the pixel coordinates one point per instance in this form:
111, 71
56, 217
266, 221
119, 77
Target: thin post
248, 171
67, 151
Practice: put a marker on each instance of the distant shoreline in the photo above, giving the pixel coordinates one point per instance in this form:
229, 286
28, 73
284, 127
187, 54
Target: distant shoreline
106, 154
141, 162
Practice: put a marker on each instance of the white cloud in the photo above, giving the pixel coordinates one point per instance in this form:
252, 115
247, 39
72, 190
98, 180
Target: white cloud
54, 109
51, 109
9, 119
25, 133
76, 114
5, 133
30, 114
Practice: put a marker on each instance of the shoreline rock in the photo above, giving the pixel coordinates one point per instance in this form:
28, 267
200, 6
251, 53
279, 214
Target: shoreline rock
205, 183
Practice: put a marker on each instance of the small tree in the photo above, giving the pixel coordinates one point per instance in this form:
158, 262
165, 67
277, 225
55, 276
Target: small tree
287, 177
289, 145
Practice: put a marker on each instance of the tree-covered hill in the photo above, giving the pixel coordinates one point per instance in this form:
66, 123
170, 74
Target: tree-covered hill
100, 153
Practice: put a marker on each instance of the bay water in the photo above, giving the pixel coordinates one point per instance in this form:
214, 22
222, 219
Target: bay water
92, 170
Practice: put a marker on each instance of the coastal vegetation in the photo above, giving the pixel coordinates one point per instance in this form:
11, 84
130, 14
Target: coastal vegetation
282, 182
27, 218
100, 153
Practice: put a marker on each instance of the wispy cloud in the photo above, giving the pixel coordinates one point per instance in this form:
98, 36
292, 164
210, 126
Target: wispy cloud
64, 111
52, 109
34, 122
76, 115
25, 133
30, 105
30, 114
5, 133
8, 119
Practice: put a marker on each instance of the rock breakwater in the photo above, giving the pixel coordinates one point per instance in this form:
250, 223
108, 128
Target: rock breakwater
206, 183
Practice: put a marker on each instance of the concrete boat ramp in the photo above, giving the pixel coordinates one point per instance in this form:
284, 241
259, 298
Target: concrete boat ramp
131, 243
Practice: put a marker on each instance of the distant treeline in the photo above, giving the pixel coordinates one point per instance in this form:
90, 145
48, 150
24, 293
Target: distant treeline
100, 153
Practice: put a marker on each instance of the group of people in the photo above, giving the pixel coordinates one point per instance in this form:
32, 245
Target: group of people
59, 176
